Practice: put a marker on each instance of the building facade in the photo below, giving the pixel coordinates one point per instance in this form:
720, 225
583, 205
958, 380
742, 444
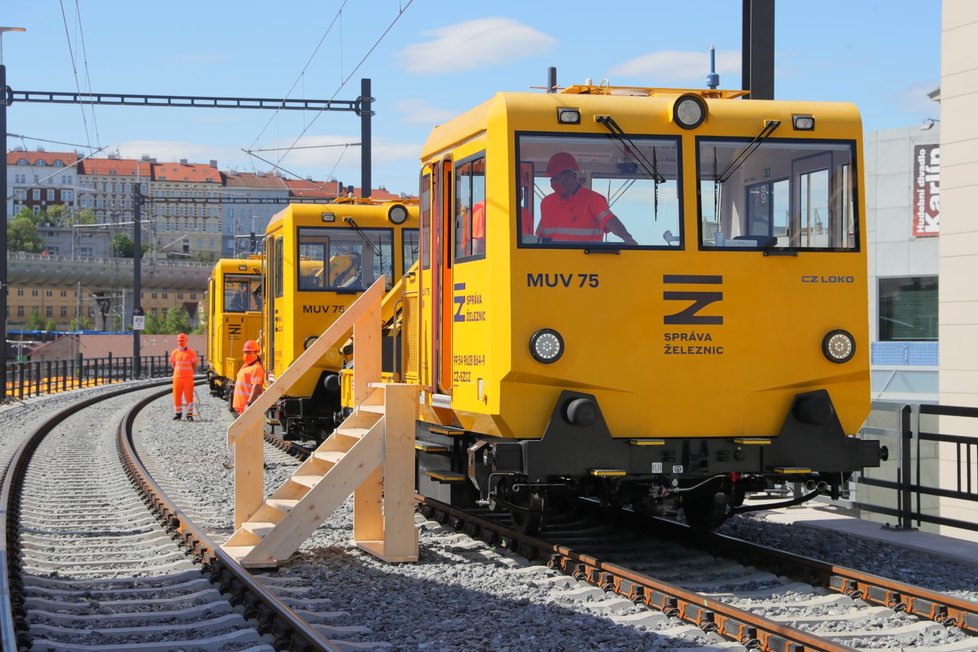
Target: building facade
184, 207
247, 204
37, 180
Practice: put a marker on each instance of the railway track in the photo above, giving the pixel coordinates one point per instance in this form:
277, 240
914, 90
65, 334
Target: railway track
727, 586
96, 558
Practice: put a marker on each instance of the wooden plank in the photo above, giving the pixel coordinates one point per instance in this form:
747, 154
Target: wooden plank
368, 514
249, 478
366, 353
400, 535
309, 358
322, 500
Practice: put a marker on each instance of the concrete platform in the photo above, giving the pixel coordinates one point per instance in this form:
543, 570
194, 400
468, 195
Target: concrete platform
840, 519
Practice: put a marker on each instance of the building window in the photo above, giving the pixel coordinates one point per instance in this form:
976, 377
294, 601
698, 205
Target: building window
20, 311
50, 194
165, 295
20, 292
64, 311
36, 194
33, 292
180, 295
908, 309
49, 311
49, 293
64, 293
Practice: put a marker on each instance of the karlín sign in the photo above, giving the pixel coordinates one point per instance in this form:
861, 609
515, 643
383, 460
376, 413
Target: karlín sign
926, 190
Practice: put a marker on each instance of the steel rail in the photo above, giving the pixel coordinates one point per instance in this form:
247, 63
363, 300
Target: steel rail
275, 616
13, 617
943, 609
750, 630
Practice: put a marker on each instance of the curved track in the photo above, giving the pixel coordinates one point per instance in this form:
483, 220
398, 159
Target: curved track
92, 568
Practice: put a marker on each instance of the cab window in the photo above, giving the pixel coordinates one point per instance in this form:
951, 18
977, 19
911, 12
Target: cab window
595, 191
470, 209
241, 293
785, 194
344, 259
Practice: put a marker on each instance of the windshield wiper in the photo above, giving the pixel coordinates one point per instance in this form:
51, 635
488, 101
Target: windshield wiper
356, 229
630, 147
768, 129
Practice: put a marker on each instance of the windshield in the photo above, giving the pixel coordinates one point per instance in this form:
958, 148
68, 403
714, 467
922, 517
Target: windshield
241, 293
344, 259
588, 191
783, 194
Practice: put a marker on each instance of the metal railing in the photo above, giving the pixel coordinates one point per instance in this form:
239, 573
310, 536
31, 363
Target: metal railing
927, 468
28, 379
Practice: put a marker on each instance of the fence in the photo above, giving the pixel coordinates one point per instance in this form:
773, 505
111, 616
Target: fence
929, 474
27, 379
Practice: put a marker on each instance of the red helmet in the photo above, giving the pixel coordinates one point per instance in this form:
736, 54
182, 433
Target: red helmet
181, 337
560, 162
251, 346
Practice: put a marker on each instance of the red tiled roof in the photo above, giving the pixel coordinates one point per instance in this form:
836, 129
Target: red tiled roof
306, 188
123, 167
186, 173
247, 180
68, 158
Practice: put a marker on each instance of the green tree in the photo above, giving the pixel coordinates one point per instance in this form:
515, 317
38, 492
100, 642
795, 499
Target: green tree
85, 216
176, 321
154, 325
56, 215
22, 235
81, 324
122, 246
49, 325
35, 322
27, 213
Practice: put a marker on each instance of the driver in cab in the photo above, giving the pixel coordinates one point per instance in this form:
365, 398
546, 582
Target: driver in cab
573, 213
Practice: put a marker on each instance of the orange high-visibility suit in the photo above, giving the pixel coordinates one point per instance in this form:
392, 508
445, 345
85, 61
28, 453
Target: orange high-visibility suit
183, 361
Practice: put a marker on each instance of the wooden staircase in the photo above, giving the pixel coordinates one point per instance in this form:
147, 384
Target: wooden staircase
370, 455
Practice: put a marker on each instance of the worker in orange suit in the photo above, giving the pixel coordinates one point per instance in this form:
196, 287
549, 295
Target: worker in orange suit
250, 382
184, 362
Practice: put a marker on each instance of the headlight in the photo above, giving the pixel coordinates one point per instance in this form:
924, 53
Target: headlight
689, 111
308, 342
397, 214
838, 346
546, 345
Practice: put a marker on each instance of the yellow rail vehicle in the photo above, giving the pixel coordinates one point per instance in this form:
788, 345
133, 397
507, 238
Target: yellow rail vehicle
233, 316
654, 296
320, 257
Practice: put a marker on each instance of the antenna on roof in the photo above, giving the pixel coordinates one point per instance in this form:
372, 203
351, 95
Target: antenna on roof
713, 79
552, 79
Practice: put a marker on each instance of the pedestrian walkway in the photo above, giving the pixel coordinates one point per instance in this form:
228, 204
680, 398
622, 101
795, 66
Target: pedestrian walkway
840, 519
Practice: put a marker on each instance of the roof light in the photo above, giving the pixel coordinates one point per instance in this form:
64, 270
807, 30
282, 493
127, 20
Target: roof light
689, 111
397, 214
803, 122
329, 217
838, 346
568, 116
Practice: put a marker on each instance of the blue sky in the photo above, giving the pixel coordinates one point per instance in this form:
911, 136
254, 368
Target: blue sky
437, 59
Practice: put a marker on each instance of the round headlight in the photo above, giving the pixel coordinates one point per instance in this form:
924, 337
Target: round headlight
397, 214
546, 345
308, 342
689, 111
838, 346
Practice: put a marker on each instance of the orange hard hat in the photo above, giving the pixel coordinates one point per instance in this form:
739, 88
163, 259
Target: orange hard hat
250, 346
560, 162
181, 337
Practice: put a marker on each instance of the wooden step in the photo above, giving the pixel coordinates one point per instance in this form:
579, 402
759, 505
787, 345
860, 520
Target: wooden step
237, 552
261, 528
351, 431
376, 409
307, 480
333, 457
282, 504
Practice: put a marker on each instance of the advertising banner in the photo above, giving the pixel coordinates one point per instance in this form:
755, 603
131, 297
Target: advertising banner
926, 200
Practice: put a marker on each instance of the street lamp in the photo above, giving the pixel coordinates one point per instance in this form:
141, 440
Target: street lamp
7, 29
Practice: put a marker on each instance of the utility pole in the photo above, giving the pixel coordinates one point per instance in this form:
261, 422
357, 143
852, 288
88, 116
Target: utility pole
757, 49
137, 277
3, 235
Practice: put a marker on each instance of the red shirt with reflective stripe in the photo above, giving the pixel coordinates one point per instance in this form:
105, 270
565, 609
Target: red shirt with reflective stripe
183, 361
582, 217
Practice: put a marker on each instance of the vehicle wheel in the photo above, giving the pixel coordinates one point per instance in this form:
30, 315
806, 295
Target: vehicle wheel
528, 516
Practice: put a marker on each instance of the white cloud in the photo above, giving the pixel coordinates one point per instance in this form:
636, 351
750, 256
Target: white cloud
420, 112
668, 67
473, 44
